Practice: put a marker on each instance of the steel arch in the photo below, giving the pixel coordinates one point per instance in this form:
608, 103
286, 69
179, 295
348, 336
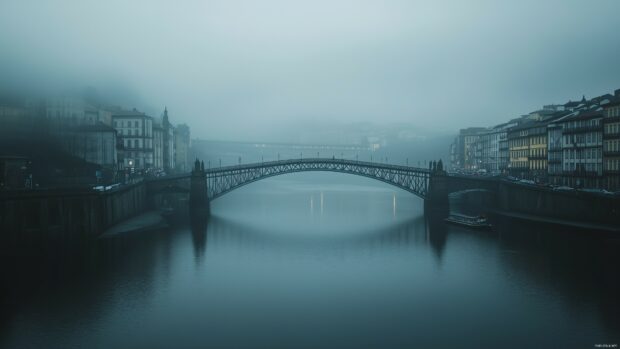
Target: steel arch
225, 179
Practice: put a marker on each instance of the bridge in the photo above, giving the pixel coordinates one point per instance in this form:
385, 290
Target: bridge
433, 185
206, 185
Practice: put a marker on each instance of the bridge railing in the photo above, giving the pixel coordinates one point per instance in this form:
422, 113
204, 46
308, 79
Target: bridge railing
250, 166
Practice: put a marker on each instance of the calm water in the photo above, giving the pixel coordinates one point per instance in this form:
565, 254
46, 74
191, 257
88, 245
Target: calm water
316, 261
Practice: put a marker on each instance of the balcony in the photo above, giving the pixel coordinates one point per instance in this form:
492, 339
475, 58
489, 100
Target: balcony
611, 153
582, 129
138, 149
538, 157
614, 135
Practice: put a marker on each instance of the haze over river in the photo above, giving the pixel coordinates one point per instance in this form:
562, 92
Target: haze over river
319, 260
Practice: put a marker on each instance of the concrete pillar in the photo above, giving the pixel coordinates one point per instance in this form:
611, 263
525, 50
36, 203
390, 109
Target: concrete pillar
437, 195
198, 199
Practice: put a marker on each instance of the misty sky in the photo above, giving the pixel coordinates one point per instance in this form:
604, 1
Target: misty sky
232, 68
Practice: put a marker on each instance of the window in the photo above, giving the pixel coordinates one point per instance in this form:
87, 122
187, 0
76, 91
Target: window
136, 123
135, 143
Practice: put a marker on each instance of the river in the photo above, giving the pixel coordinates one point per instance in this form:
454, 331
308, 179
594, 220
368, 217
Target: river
318, 260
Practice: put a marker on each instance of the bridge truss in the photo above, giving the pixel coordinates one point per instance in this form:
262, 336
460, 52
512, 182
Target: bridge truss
225, 179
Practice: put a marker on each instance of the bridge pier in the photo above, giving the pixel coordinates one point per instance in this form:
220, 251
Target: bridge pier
198, 198
436, 201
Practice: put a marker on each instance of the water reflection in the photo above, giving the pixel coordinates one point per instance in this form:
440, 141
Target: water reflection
198, 225
261, 273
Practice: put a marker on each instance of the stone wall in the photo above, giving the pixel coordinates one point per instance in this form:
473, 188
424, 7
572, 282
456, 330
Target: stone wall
27, 216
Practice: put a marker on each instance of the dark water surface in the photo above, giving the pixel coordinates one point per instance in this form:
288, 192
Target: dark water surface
317, 261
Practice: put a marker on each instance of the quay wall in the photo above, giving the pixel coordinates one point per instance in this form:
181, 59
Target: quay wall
29, 216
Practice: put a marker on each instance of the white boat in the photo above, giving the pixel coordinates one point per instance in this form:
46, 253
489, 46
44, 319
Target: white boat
469, 221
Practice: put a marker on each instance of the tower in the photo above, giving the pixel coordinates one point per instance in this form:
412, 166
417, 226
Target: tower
168, 142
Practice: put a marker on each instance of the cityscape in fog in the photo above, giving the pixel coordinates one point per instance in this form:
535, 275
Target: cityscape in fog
309, 174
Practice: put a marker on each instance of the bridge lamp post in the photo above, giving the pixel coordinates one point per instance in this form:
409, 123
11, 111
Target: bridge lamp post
407, 162
220, 162
317, 154
278, 156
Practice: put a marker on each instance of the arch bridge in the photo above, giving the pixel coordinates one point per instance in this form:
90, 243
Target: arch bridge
205, 185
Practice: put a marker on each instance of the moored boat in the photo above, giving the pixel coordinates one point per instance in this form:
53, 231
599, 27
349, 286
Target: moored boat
469, 221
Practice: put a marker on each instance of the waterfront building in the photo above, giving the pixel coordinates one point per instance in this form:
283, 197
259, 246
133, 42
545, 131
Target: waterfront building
136, 131
465, 148
158, 145
554, 152
528, 145
492, 148
611, 142
93, 143
582, 151
519, 149
168, 142
454, 163
182, 146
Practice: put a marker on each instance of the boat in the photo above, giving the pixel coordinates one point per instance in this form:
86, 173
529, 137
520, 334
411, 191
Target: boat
167, 212
469, 221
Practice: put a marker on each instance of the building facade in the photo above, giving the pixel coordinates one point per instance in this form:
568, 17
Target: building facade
582, 149
136, 132
93, 143
168, 142
465, 148
158, 146
492, 149
611, 142
182, 146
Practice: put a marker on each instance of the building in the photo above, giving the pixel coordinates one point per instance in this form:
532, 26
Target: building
519, 150
68, 111
611, 142
554, 153
582, 149
182, 146
492, 148
158, 145
135, 129
168, 143
465, 148
528, 143
93, 143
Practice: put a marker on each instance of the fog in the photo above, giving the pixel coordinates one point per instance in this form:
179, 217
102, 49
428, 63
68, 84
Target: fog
238, 69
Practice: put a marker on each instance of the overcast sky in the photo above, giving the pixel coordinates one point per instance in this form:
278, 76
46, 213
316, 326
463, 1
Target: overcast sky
230, 68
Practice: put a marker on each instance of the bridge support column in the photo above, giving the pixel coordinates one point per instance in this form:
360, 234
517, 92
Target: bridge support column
436, 201
198, 199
